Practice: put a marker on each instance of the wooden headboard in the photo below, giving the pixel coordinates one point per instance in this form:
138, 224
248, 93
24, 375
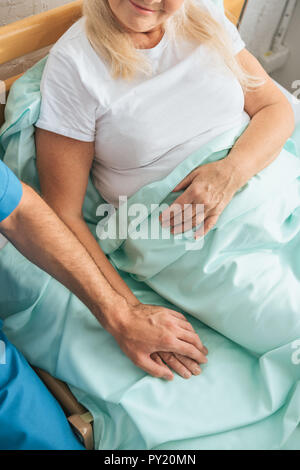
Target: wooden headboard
234, 9
42, 30
34, 33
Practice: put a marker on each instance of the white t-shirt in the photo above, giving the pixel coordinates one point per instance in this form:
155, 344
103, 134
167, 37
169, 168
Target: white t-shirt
142, 129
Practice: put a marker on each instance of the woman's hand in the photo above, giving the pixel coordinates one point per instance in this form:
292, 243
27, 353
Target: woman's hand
143, 330
183, 365
213, 185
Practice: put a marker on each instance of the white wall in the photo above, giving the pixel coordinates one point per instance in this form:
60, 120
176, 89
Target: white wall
291, 70
13, 10
258, 25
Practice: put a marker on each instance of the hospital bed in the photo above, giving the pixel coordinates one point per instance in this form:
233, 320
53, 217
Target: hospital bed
24, 37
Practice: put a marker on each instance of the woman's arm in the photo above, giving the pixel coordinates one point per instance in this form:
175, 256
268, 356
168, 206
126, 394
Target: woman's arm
64, 165
214, 184
36, 231
272, 123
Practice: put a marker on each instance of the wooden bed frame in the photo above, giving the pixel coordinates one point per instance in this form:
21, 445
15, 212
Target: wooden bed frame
34, 33
16, 40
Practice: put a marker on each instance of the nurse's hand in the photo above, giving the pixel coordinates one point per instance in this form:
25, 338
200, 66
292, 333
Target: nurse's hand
212, 185
144, 330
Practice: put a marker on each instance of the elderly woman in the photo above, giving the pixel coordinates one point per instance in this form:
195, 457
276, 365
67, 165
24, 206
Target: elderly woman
129, 92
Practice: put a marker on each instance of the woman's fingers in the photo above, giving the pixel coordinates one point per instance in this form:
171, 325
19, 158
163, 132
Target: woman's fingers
191, 218
172, 361
185, 182
191, 365
176, 208
155, 356
155, 368
210, 222
185, 348
208, 225
185, 217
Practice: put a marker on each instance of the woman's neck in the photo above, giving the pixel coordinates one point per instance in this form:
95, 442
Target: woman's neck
147, 40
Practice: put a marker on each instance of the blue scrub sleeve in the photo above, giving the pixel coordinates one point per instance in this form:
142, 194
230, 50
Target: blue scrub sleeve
10, 191
30, 417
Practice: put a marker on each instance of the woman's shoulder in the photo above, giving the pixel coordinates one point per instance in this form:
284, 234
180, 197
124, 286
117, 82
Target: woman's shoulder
73, 40
74, 49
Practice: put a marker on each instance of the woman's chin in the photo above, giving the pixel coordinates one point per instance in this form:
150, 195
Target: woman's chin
138, 25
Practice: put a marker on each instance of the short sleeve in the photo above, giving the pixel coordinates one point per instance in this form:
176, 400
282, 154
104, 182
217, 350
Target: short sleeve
10, 191
218, 13
67, 107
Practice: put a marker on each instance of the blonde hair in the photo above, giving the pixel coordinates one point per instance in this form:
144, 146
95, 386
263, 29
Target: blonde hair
191, 21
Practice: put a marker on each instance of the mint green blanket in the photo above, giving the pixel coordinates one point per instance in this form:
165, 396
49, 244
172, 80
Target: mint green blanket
240, 290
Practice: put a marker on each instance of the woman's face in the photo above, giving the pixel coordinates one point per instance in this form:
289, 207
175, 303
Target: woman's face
147, 18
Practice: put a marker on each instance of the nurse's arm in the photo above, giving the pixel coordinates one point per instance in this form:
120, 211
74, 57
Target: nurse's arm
38, 233
272, 123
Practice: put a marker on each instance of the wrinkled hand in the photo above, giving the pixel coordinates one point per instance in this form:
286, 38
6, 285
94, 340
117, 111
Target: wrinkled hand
213, 185
148, 329
183, 365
